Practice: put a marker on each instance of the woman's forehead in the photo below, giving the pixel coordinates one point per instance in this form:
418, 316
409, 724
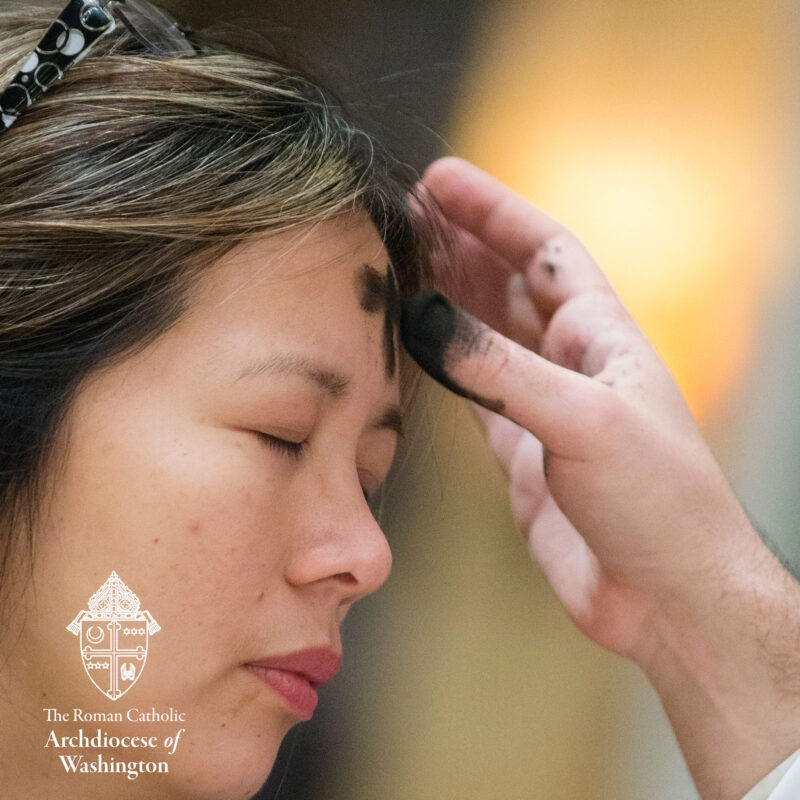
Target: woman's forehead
322, 285
329, 255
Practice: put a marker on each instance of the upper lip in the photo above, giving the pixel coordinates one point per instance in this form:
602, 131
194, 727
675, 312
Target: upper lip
317, 665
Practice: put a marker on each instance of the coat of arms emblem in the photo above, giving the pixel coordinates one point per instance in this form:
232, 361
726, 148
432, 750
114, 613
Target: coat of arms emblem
114, 635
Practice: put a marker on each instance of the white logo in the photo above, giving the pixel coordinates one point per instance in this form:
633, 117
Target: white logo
114, 635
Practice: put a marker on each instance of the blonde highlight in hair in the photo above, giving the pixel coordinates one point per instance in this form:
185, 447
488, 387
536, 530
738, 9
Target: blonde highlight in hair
125, 180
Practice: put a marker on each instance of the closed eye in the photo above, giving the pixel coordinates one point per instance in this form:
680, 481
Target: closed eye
293, 449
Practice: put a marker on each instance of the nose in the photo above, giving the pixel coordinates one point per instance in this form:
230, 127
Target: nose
339, 544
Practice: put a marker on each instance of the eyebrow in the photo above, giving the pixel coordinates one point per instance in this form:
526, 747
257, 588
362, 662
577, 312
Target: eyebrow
334, 383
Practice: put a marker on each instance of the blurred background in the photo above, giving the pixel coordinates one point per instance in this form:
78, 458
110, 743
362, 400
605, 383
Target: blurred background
663, 134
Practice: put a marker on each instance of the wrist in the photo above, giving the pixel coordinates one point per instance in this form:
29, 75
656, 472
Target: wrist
724, 657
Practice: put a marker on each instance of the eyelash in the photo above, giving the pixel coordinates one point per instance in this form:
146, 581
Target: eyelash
295, 450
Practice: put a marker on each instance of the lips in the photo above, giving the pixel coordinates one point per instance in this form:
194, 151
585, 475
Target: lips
296, 676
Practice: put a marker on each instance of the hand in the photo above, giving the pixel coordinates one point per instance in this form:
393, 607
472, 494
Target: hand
621, 501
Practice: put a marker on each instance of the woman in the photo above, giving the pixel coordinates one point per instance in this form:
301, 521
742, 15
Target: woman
204, 268
201, 392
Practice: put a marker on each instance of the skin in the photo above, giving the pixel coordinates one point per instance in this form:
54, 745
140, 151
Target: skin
616, 492
238, 549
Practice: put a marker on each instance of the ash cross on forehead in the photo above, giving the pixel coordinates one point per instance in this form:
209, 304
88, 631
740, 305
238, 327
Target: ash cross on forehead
375, 292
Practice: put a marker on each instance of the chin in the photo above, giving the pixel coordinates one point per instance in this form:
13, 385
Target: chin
226, 763
223, 773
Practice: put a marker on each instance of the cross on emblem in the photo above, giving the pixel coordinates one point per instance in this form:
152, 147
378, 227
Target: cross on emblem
114, 636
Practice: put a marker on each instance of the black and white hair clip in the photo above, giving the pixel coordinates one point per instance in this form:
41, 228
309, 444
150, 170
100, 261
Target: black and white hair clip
73, 34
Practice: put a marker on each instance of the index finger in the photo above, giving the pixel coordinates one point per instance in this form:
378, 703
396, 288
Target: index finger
480, 204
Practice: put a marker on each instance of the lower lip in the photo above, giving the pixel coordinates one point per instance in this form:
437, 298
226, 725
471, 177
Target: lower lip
297, 691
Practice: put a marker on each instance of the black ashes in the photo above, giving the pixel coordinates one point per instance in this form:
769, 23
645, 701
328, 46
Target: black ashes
436, 335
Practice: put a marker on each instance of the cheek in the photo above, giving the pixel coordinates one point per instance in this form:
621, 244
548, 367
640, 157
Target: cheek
189, 513
161, 477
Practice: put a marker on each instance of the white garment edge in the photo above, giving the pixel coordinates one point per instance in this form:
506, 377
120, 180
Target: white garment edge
783, 783
789, 787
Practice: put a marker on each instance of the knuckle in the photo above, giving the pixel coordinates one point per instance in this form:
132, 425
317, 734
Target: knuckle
612, 416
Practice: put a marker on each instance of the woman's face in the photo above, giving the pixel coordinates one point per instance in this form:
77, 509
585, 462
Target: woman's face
239, 546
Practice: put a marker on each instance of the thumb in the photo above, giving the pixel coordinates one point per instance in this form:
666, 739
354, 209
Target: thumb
559, 406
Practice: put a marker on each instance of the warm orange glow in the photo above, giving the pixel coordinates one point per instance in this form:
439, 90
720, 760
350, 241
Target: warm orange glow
652, 131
